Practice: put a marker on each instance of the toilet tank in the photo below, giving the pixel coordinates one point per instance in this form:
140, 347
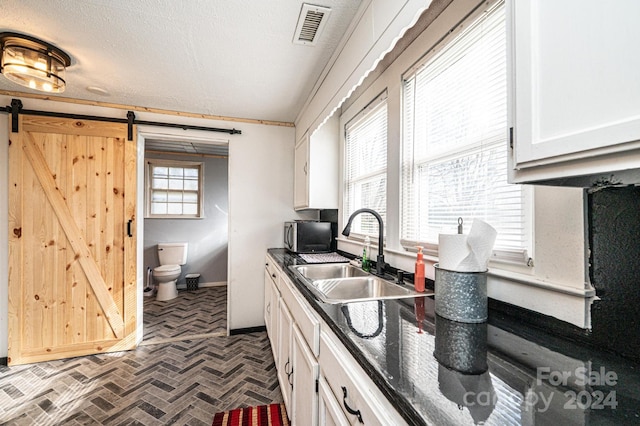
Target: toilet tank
172, 253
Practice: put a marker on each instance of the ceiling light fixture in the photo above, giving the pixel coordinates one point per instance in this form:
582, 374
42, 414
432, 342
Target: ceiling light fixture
33, 63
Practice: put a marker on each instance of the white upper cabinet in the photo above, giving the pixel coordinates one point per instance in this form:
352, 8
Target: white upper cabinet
574, 88
301, 174
316, 168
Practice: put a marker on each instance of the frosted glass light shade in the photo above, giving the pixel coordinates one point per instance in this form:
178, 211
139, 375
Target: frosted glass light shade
33, 63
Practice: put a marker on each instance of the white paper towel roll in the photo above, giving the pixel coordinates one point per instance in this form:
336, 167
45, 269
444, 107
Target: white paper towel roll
467, 253
452, 250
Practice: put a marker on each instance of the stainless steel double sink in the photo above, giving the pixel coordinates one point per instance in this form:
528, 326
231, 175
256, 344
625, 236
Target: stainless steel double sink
343, 283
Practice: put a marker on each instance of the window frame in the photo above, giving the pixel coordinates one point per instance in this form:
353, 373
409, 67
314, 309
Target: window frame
370, 108
150, 164
516, 256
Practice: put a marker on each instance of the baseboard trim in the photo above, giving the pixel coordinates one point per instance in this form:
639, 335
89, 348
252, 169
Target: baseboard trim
247, 330
213, 284
183, 286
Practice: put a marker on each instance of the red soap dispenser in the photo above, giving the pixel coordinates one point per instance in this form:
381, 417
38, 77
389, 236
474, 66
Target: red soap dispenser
418, 278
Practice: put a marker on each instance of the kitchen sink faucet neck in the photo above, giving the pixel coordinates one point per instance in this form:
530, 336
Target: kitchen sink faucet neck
380, 264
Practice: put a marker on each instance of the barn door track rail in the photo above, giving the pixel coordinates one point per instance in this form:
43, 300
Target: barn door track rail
15, 109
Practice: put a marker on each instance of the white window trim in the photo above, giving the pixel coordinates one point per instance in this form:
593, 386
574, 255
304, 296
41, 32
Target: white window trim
369, 107
150, 162
519, 257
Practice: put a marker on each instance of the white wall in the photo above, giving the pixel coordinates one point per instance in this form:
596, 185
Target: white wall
260, 200
557, 284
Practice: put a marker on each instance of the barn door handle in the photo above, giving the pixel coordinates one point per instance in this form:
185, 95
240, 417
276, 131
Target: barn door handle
129, 233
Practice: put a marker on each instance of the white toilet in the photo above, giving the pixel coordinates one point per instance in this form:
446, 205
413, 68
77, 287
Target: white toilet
171, 257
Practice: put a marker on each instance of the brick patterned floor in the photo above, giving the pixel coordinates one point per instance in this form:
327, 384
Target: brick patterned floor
198, 312
181, 382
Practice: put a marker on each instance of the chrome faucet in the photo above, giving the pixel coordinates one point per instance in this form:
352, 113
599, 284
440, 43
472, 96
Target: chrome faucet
380, 258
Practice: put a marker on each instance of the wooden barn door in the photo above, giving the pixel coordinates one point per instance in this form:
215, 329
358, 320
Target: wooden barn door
72, 252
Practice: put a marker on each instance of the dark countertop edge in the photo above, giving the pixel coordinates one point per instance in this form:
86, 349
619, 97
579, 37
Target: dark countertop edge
403, 407
523, 326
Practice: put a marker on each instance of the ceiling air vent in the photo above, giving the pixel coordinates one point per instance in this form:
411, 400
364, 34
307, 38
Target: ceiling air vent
311, 22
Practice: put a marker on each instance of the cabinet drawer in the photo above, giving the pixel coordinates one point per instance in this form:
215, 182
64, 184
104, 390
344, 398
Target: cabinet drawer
271, 268
359, 398
302, 313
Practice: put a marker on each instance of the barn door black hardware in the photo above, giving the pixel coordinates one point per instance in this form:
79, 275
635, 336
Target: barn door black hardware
16, 108
129, 233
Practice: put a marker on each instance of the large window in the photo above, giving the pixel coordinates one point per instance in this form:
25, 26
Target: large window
174, 189
454, 150
365, 177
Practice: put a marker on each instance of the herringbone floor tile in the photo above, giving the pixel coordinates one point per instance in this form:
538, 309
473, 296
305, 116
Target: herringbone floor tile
181, 382
197, 312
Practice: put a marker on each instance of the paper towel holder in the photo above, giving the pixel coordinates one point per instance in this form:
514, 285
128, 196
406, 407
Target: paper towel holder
461, 296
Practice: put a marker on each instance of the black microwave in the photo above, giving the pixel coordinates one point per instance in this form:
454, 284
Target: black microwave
308, 236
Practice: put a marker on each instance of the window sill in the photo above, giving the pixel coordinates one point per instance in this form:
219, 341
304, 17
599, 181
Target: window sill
497, 272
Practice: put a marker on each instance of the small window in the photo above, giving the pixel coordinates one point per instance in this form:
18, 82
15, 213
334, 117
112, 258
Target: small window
174, 189
365, 177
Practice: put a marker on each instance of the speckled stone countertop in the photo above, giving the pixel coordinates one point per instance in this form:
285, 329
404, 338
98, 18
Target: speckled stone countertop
499, 372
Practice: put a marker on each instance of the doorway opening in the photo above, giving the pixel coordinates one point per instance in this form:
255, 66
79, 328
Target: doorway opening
200, 309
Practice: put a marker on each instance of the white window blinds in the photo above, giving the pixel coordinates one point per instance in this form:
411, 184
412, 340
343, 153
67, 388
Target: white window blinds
454, 156
365, 176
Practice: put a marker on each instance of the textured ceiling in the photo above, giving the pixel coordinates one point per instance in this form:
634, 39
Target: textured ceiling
230, 58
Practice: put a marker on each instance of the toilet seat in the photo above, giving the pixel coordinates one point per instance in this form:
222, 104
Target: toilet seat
165, 270
166, 276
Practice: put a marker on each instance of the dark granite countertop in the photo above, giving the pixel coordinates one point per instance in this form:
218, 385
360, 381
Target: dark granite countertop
500, 372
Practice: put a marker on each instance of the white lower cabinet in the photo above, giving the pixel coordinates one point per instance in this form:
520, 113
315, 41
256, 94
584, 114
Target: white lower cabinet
298, 330
271, 299
274, 316
305, 377
359, 399
321, 382
285, 362
329, 410
267, 298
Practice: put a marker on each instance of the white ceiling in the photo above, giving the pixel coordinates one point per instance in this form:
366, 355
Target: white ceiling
231, 58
